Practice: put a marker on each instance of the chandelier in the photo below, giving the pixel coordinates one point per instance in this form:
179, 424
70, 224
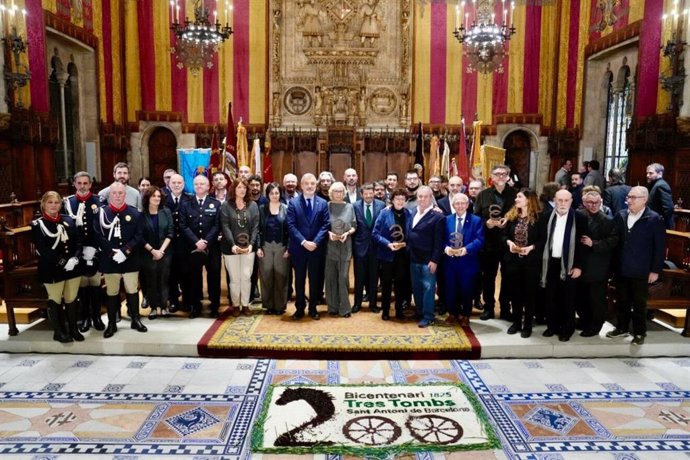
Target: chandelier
484, 42
198, 40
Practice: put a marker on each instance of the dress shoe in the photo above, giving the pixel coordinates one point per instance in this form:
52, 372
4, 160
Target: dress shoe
385, 316
589, 333
356, 308
153, 315
616, 333
638, 340
173, 308
365, 298
526, 332
514, 329
425, 323
563, 338
346, 315
548, 333
488, 314
375, 309
298, 315
315, 316
246, 311
194, 314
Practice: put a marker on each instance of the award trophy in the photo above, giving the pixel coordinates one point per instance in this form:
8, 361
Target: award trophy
242, 242
495, 215
520, 239
397, 236
339, 227
456, 243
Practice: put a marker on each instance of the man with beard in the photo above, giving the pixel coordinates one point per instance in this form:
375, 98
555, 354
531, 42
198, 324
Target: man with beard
289, 187
435, 185
411, 185
380, 191
473, 188
326, 179
121, 175
244, 172
256, 188
352, 192
492, 204
660, 198
391, 184
83, 207
576, 186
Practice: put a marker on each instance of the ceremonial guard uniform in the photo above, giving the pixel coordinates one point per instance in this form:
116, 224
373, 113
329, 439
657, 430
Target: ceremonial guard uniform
119, 233
84, 210
59, 249
201, 221
179, 250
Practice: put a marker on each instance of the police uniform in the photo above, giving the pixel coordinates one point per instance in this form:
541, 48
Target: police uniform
201, 221
179, 251
59, 248
120, 231
84, 210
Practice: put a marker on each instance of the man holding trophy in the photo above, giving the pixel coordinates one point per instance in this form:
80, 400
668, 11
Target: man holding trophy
464, 241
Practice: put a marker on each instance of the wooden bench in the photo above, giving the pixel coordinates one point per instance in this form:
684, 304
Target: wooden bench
20, 285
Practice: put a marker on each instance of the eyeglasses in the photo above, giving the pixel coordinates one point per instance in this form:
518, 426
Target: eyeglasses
167, 177
634, 197
503, 174
592, 202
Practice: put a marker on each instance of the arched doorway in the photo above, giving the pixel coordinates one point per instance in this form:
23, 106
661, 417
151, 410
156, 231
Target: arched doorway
518, 148
162, 154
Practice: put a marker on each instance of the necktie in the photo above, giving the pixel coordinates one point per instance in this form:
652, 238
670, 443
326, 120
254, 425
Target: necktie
309, 207
458, 224
201, 202
367, 215
177, 201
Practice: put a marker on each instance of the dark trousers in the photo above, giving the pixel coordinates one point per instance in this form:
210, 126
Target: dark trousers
490, 262
560, 300
366, 275
460, 288
177, 271
592, 304
311, 265
395, 276
632, 303
195, 262
522, 284
155, 280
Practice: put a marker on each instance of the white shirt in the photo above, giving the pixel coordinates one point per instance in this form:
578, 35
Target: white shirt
352, 195
558, 236
632, 218
418, 216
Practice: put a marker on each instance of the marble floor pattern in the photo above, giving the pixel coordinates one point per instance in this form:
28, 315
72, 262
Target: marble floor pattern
133, 407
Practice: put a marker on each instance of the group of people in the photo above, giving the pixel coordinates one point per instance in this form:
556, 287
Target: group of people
440, 245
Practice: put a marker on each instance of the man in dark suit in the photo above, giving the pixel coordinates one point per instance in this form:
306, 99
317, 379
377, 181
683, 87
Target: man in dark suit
308, 221
352, 192
660, 197
461, 265
200, 225
454, 187
174, 201
366, 264
167, 175
425, 241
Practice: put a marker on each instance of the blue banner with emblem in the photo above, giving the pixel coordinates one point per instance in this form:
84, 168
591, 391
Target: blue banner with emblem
192, 163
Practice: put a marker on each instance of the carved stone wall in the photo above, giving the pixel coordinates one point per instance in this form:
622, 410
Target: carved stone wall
340, 63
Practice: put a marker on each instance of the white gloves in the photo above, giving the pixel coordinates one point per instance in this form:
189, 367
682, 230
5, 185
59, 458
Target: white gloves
88, 253
119, 256
71, 263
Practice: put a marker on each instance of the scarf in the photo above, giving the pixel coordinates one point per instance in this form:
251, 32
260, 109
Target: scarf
568, 254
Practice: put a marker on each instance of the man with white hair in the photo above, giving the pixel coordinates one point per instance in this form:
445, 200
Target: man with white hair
308, 222
174, 201
641, 259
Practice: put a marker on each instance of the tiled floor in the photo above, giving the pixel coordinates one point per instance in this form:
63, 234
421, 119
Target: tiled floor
133, 407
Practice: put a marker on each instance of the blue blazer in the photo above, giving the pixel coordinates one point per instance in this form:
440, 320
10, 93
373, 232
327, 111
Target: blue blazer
302, 228
363, 241
473, 240
425, 242
382, 233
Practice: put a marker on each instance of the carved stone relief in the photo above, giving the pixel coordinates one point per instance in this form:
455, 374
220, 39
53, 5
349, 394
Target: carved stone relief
340, 63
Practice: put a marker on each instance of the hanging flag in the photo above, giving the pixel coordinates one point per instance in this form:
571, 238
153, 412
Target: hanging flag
215, 155
419, 149
475, 157
461, 163
434, 164
193, 162
242, 145
230, 160
268, 163
256, 155
453, 168
445, 159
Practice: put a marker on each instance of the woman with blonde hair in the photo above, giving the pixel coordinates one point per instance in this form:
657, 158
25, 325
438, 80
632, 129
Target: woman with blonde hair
339, 252
59, 248
522, 262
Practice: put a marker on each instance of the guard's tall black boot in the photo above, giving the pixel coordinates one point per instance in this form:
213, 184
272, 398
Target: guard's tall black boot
133, 312
72, 312
95, 306
84, 310
113, 305
57, 321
